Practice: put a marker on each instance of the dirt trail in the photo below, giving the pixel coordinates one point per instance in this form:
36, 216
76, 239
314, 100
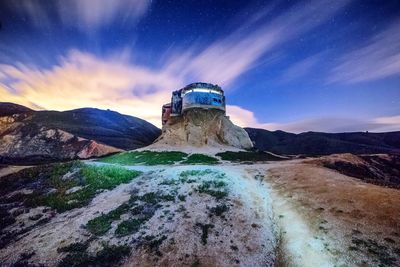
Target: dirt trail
357, 222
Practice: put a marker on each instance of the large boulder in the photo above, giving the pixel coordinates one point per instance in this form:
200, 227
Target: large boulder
201, 128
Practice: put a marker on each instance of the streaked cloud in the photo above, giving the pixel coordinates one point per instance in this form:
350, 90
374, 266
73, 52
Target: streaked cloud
227, 59
300, 69
86, 15
377, 58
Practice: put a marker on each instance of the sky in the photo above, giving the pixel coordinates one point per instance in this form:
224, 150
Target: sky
297, 66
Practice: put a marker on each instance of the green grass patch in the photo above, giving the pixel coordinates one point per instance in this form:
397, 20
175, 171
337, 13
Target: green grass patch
91, 178
201, 159
108, 256
102, 224
213, 188
129, 227
144, 211
152, 243
74, 247
204, 231
154, 198
145, 158
219, 210
247, 156
184, 176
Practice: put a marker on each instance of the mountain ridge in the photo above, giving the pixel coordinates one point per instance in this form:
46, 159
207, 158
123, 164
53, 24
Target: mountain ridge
320, 143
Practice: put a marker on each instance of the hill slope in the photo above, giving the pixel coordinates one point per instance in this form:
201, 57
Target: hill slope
105, 126
315, 143
7, 109
29, 136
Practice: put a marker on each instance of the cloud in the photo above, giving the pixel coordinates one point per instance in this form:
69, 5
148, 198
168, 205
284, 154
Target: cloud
242, 117
96, 13
300, 69
85, 15
224, 60
377, 58
84, 80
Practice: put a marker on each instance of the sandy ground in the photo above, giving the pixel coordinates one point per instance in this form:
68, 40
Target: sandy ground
361, 220
292, 213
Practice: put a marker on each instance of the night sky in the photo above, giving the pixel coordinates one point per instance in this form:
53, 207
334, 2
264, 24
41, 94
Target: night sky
292, 65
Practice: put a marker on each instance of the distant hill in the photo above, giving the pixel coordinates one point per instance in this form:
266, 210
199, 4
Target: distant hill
34, 136
7, 109
316, 143
105, 126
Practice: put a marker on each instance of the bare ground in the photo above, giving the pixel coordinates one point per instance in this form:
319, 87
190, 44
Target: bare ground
292, 213
361, 219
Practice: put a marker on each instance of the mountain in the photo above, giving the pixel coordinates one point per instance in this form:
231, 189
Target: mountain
33, 136
7, 109
316, 143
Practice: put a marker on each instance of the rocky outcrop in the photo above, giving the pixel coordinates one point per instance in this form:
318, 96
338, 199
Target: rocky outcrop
202, 128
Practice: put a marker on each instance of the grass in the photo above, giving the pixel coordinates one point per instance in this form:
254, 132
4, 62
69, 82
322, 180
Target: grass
204, 231
129, 227
92, 179
108, 256
184, 176
153, 244
102, 224
154, 198
145, 158
246, 156
200, 159
213, 188
219, 210
74, 247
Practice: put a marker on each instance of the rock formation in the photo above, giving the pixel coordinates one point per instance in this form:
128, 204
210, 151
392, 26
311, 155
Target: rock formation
203, 127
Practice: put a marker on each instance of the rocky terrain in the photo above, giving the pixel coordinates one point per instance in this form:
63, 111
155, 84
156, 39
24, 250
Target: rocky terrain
195, 197
28, 136
146, 208
315, 143
202, 128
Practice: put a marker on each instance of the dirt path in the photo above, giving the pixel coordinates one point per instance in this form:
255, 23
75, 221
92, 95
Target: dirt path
357, 222
288, 232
